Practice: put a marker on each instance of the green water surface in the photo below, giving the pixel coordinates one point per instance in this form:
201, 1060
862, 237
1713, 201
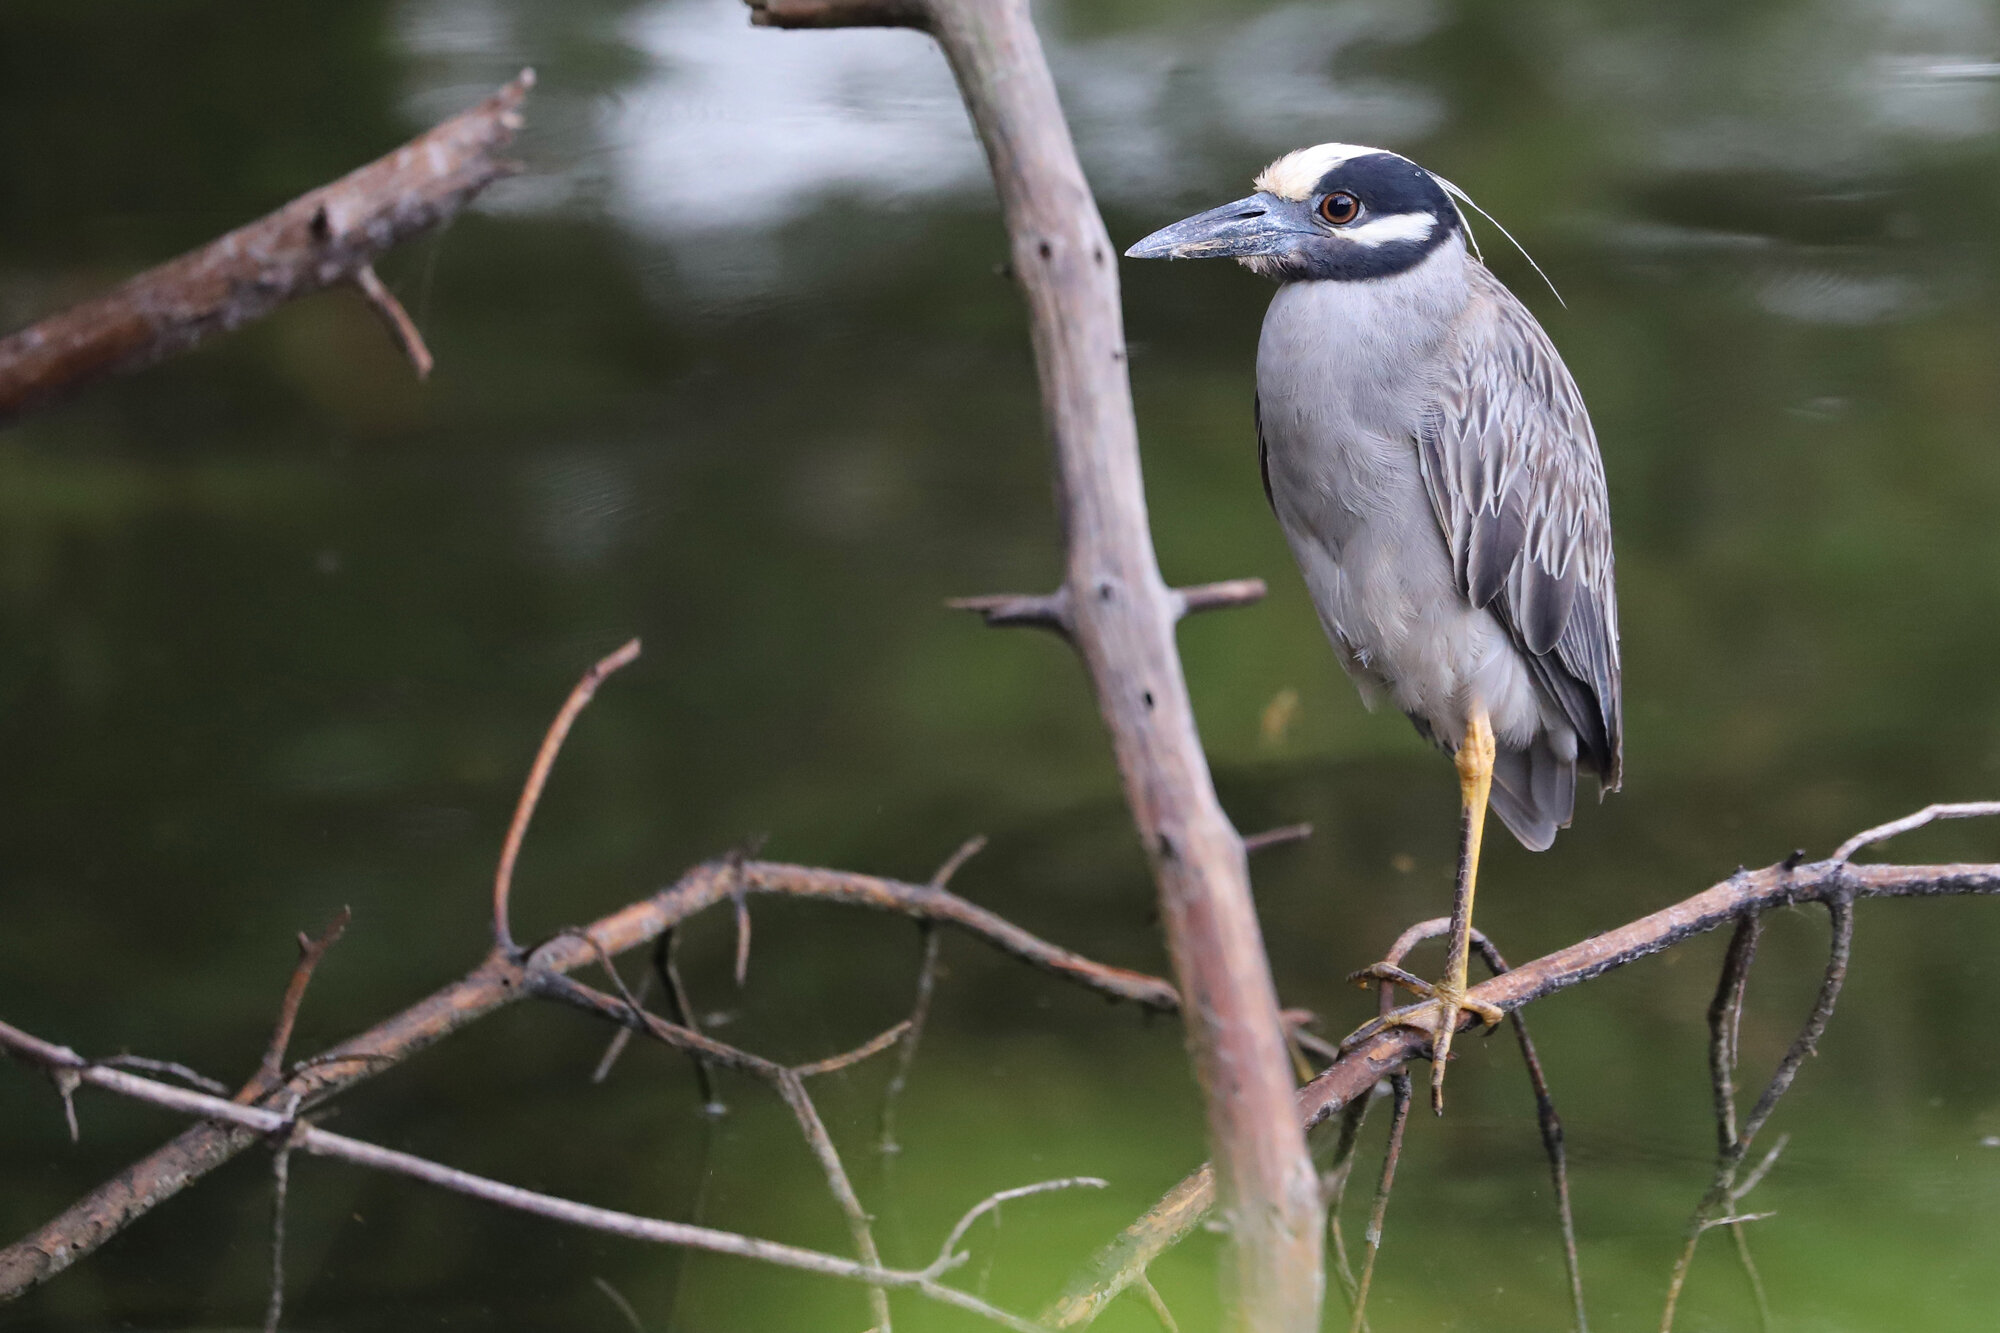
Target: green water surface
730, 368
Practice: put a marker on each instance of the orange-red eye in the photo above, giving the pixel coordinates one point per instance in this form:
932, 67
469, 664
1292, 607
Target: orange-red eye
1340, 208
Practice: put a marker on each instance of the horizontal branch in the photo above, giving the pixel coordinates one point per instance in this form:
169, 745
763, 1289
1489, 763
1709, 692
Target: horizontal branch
841, 14
300, 1135
323, 238
1216, 596
1357, 1071
1052, 611
501, 980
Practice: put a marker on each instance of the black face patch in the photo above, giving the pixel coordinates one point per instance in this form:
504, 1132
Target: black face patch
1386, 185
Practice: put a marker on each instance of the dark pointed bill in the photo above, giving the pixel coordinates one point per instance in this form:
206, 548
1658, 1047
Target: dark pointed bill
1261, 224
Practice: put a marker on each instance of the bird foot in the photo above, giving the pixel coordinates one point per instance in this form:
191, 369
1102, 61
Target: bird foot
1437, 1014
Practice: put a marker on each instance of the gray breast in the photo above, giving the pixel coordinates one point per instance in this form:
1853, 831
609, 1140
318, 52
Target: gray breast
1349, 377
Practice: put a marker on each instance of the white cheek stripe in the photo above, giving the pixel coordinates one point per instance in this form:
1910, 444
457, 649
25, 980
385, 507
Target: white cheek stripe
1390, 229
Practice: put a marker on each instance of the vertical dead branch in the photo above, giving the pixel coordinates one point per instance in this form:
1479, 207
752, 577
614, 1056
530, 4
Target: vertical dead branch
1120, 615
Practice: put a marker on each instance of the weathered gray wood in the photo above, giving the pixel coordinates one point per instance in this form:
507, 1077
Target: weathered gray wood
1119, 613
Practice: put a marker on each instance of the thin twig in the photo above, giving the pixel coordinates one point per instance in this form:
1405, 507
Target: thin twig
622, 1037
666, 966
1157, 1303
1757, 1292
1841, 912
1399, 1118
741, 900
1929, 814
1276, 837
789, 1084
920, 1006
1048, 611
1333, 1190
531, 791
171, 1068
401, 327
1717, 1206
1756, 1177
875, 1045
1725, 1022
281, 1179
1217, 596
948, 1256
272, 1071
1550, 1123
617, 1298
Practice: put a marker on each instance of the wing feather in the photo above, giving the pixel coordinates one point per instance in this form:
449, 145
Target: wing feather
1514, 476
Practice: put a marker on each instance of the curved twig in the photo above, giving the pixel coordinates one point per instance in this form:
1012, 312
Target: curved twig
1929, 814
538, 776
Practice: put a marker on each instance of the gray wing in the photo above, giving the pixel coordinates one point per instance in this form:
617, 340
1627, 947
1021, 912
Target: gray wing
1514, 476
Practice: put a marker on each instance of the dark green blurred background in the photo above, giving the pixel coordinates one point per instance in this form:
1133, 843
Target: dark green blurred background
731, 369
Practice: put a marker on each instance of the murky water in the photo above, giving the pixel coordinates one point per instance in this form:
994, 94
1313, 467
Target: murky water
731, 370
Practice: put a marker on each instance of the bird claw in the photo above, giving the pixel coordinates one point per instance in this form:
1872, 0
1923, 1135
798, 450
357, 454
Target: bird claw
1436, 1013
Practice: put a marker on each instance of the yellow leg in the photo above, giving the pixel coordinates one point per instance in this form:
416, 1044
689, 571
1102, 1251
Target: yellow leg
1438, 1014
1475, 787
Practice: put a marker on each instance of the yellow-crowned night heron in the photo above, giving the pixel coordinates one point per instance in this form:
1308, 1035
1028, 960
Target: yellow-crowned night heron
1432, 465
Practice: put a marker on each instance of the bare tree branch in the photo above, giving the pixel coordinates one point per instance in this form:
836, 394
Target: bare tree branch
501, 981
1119, 613
1357, 1071
259, 1122
325, 238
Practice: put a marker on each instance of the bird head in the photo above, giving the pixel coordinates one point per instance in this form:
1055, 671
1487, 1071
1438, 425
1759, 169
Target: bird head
1336, 210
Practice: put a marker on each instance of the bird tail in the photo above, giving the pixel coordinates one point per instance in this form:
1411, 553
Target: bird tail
1534, 792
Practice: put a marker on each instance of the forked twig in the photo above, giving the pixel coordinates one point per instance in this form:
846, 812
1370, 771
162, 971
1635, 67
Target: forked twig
1719, 1206
531, 791
1546, 1116
271, 1072
788, 1082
